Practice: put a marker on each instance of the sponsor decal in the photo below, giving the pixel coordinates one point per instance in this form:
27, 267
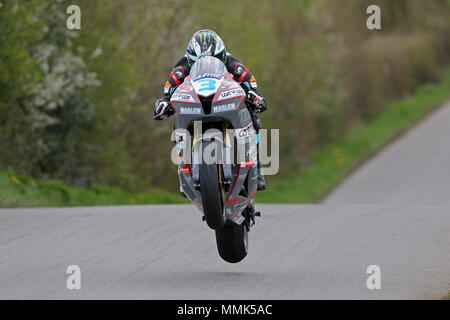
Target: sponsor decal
184, 88
244, 132
247, 164
230, 94
190, 110
229, 84
224, 107
181, 97
185, 169
209, 75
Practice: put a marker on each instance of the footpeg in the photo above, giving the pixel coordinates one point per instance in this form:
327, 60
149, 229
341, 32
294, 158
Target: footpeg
254, 214
250, 215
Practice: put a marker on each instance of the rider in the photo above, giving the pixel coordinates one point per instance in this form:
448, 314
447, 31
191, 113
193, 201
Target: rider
207, 41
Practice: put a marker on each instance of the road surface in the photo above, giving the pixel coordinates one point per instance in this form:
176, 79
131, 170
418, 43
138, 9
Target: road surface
414, 170
394, 212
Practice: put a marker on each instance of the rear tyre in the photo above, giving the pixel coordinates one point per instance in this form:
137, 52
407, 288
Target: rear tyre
232, 242
211, 196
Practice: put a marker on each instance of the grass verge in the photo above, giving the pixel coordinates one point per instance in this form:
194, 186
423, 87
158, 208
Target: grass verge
20, 191
334, 162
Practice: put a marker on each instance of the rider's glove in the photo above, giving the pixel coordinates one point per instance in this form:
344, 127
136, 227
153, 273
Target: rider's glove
163, 109
256, 101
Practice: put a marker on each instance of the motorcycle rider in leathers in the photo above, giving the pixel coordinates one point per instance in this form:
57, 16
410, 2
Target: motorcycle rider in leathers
207, 41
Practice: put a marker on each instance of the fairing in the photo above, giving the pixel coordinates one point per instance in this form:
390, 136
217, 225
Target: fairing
227, 104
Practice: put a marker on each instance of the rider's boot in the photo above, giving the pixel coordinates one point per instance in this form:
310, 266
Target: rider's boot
258, 125
261, 181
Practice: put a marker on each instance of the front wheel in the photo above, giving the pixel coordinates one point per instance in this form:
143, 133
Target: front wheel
211, 195
232, 242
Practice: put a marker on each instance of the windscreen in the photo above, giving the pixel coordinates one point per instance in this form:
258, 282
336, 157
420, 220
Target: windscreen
207, 66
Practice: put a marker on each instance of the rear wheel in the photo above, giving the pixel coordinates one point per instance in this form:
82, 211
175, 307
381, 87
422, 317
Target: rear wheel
232, 242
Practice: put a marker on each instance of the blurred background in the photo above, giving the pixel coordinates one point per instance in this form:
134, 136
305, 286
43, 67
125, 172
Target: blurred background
77, 105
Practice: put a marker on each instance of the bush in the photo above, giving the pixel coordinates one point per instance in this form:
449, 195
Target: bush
320, 69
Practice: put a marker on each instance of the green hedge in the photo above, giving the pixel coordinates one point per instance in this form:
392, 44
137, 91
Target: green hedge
332, 163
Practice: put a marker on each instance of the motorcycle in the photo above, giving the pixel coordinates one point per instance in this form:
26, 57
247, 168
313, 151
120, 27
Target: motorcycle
217, 153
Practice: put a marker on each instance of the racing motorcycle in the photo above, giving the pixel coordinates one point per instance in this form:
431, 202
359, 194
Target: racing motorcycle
217, 153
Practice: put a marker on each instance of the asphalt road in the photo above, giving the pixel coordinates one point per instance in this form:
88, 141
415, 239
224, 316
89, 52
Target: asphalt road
394, 213
413, 170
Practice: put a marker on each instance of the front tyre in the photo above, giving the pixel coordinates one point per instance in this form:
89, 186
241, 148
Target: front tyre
211, 196
232, 242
